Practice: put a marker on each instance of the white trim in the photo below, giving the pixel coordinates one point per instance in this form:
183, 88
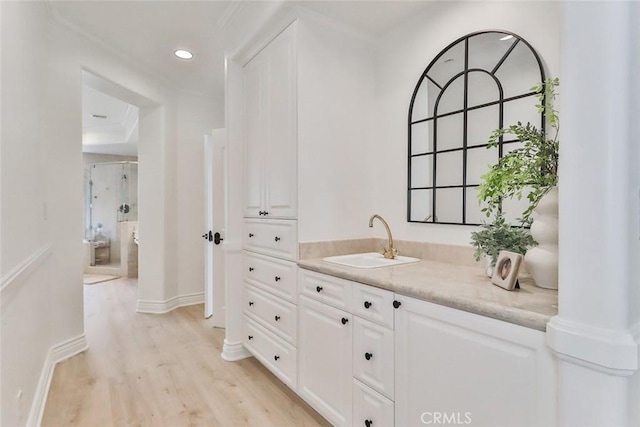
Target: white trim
232, 352
614, 352
161, 307
27, 266
56, 354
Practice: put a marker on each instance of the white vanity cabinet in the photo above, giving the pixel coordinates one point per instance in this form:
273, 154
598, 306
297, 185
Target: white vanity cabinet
469, 368
270, 115
414, 362
346, 360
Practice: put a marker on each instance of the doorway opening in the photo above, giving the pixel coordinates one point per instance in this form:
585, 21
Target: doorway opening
110, 158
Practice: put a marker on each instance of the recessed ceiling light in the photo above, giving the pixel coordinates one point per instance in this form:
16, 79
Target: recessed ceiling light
507, 37
183, 54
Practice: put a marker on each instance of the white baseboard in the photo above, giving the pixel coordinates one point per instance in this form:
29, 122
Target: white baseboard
234, 352
161, 307
56, 354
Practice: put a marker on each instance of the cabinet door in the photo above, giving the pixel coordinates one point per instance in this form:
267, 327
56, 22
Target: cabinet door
470, 369
324, 353
255, 135
281, 156
373, 355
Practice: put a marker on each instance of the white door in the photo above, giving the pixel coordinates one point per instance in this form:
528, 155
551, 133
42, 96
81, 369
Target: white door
215, 185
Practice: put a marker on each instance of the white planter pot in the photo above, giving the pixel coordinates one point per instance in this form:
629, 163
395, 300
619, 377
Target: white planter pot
488, 265
542, 260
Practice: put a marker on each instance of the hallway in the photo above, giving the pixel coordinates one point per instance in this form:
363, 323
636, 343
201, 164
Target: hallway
143, 369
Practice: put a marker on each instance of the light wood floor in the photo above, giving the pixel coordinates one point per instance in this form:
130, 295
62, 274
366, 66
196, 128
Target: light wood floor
162, 370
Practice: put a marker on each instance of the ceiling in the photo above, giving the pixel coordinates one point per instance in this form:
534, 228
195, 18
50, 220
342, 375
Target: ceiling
148, 32
109, 125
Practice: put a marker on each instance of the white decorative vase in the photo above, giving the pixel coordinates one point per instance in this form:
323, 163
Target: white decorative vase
542, 260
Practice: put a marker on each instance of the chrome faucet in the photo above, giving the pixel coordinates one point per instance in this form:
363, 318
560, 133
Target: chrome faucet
389, 252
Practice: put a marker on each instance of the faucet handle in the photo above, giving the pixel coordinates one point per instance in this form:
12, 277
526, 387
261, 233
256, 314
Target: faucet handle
389, 253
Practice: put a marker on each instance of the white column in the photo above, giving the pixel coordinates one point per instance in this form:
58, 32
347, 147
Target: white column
233, 348
592, 333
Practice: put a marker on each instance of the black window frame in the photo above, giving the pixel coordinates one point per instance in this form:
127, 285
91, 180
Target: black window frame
433, 116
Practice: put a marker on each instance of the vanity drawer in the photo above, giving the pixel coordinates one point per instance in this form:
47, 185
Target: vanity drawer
373, 303
277, 238
371, 406
278, 356
328, 289
272, 312
373, 356
270, 274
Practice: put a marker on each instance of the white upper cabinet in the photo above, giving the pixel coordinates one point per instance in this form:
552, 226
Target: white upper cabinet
271, 130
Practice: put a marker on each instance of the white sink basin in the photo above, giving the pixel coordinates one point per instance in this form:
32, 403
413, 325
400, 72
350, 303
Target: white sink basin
369, 260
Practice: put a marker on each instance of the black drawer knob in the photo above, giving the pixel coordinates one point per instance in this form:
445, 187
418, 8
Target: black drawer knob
250, 337
260, 213
397, 304
277, 318
277, 278
250, 268
250, 303
318, 289
368, 356
344, 320
277, 239
265, 213
251, 235
368, 423
276, 357
367, 305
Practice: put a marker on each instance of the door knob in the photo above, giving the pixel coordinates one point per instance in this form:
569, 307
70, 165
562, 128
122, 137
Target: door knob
216, 238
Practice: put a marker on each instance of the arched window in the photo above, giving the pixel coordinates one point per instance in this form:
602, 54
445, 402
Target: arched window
479, 83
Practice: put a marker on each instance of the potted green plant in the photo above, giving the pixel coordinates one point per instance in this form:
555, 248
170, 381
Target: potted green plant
497, 236
532, 167
532, 170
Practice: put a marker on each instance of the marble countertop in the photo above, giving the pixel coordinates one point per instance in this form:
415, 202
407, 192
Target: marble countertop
461, 287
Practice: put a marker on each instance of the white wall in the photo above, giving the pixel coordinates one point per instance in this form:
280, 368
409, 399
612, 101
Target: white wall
41, 204
41, 150
634, 226
197, 116
335, 131
402, 56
